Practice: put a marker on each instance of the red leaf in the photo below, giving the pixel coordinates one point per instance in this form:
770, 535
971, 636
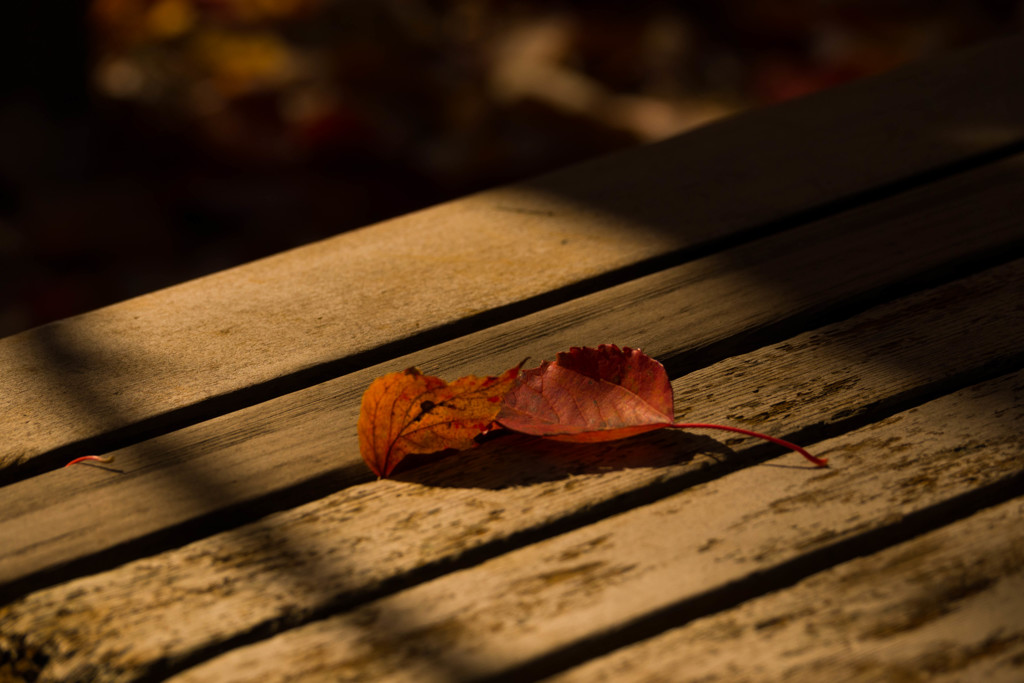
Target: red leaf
590, 394
601, 394
409, 412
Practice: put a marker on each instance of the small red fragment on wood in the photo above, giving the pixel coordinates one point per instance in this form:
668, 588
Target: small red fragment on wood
96, 458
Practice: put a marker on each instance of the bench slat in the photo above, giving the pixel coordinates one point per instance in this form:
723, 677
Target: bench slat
308, 439
947, 604
208, 346
167, 609
656, 561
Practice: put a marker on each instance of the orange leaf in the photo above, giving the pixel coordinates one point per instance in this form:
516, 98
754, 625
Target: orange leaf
409, 412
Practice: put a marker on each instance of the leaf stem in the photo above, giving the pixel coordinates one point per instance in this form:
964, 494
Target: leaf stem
820, 462
97, 458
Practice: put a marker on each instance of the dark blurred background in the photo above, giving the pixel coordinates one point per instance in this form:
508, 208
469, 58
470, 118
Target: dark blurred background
146, 142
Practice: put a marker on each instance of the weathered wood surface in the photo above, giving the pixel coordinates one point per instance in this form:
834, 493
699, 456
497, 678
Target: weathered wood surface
293, 448
529, 611
945, 606
846, 271
189, 352
164, 611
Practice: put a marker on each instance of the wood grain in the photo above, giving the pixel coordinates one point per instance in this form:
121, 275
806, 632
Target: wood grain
497, 617
211, 345
164, 610
303, 445
946, 606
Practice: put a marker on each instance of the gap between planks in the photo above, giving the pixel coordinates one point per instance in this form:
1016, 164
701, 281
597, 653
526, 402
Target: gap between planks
512, 617
183, 354
302, 446
945, 606
164, 612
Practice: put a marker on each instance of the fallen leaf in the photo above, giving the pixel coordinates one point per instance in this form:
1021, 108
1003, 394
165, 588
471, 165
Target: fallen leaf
409, 412
591, 394
602, 394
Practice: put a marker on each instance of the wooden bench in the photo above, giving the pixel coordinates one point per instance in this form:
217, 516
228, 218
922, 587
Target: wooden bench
845, 271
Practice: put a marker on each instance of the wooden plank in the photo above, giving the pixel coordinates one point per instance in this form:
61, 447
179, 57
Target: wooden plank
296, 318
500, 617
946, 606
304, 445
164, 611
